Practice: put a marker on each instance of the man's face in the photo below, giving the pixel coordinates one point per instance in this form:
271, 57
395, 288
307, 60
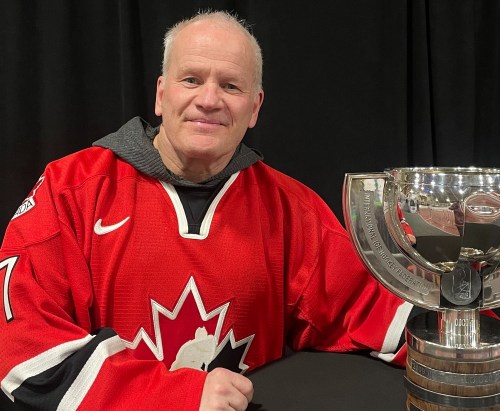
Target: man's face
208, 97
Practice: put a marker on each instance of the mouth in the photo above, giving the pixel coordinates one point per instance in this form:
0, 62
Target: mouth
206, 121
202, 124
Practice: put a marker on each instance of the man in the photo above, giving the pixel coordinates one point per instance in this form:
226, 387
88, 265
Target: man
152, 270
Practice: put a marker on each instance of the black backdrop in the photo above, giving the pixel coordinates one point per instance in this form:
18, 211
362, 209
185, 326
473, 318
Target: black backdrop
350, 85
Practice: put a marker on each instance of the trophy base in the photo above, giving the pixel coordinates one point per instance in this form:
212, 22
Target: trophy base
444, 378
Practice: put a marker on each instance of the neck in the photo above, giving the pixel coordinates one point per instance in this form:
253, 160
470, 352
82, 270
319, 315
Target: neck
191, 169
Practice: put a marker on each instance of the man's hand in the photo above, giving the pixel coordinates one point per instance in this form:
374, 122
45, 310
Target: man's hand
226, 390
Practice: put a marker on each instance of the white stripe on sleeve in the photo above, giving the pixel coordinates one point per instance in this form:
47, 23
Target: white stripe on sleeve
40, 363
393, 335
78, 390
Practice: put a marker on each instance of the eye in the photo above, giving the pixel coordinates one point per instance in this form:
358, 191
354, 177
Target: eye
230, 87
191, 80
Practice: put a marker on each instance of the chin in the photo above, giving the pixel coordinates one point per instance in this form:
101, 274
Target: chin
203, 152
204, 144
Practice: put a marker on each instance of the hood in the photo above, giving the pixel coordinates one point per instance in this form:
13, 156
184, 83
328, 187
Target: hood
133, 143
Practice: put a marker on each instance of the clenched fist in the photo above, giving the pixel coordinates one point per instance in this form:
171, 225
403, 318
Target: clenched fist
226, 390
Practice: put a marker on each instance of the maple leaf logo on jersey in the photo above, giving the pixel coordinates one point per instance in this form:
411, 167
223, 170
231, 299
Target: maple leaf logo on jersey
189, 337
29, 201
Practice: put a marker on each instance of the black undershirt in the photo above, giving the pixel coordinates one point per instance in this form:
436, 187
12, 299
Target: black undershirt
196, 201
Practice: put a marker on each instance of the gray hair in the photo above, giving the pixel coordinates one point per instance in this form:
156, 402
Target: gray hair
220, 16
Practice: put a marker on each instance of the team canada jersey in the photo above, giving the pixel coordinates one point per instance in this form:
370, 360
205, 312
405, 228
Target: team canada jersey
110, 304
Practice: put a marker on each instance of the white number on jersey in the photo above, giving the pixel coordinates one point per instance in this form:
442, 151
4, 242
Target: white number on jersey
9, 265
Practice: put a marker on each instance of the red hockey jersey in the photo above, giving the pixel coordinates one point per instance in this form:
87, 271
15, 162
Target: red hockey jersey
110, 304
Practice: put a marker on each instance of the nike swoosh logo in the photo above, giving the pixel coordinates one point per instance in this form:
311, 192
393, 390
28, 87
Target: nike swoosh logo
100, 229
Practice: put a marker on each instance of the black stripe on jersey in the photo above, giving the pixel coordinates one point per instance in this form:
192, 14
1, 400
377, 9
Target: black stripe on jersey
46, 390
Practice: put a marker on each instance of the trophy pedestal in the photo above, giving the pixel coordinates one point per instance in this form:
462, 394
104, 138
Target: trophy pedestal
443, 377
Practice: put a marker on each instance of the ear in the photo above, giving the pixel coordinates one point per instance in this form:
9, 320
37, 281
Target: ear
160, 86
259, 99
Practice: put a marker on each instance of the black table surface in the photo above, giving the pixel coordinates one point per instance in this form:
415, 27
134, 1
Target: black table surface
313, 381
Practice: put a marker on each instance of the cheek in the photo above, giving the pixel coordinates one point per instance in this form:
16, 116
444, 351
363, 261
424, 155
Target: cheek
248, 116
241, 111
175, 104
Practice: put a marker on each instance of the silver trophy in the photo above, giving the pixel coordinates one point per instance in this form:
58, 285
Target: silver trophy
450, 267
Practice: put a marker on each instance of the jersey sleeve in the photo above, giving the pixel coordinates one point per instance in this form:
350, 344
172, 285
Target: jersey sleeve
51, 358
335, 304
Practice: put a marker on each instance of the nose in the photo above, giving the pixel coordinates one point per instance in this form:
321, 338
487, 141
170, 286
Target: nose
209, 96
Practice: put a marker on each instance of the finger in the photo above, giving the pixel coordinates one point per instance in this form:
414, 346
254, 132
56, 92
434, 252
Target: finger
238, 401
243, 385
239, 404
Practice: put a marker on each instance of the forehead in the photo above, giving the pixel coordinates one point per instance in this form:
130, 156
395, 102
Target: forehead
213, 42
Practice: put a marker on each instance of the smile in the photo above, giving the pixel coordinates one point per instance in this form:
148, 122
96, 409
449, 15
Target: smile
206, 121
205, 125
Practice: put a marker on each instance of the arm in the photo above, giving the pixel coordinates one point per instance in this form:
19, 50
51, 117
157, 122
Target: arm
49, 358
336, 304
59, 351
53, 357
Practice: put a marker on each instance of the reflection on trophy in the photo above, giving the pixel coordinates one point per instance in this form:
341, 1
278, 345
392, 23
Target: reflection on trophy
453, 270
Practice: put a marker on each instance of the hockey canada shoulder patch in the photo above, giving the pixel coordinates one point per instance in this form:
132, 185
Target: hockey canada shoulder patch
29, 202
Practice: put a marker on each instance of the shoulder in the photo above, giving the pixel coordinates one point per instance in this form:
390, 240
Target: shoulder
292, 195
69, 188
76, 168
263, 173
89, 160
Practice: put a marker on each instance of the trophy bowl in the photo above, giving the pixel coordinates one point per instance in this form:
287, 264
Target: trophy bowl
432, 237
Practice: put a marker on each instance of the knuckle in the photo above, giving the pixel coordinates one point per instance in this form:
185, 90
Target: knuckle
220, 389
